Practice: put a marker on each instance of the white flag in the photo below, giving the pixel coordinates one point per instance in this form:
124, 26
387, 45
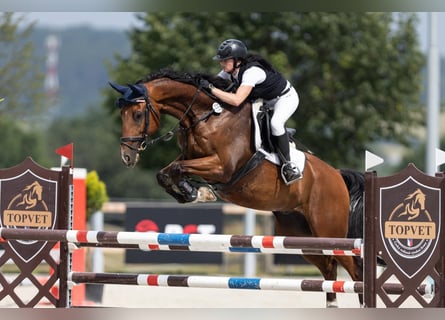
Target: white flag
372, 160
440, 157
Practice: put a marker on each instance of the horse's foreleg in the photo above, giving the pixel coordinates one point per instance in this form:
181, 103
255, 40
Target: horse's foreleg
173, 178
208, 168
165, 181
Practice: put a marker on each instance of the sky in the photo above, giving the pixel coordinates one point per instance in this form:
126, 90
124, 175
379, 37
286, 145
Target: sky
101, 20
126, 20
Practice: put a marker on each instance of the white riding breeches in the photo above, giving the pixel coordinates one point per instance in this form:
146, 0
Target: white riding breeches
285, 106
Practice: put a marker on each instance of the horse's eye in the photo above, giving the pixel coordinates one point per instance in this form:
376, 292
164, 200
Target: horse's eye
137, 116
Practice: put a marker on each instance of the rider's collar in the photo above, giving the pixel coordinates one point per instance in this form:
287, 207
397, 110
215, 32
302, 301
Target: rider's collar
235, 72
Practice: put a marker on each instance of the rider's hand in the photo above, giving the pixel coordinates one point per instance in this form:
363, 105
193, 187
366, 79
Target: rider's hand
205, 84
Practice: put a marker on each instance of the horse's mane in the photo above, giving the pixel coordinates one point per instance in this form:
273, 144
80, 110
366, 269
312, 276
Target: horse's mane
186, 77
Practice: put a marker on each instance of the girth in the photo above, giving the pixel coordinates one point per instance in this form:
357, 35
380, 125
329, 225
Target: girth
251, 164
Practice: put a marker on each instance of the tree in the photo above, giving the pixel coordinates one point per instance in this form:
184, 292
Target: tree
17, 144
21, 80
20, 92
96, 193
365, 86
357, 74
96, 147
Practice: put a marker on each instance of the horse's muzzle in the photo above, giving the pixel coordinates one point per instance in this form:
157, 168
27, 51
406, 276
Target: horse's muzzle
129, 157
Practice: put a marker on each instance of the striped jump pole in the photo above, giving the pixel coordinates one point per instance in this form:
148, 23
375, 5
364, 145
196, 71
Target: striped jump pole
234, 283
194, 242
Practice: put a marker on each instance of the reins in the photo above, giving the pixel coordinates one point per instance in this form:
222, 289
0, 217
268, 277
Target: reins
145, 141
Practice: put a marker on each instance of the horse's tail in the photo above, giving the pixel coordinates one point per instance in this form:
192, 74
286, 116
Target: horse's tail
355, 182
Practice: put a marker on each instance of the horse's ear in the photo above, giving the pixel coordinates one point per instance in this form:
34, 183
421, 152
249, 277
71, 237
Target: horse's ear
118, 87
138, 89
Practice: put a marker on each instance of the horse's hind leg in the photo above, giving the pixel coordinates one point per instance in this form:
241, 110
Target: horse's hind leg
328, 268
354, 266
295, 224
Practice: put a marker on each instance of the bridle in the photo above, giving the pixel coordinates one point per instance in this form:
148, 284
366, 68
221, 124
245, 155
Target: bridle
143, 139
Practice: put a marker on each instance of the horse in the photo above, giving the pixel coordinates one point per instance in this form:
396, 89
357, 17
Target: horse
217, 151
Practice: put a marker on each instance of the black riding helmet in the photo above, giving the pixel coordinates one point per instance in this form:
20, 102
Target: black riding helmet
231, 48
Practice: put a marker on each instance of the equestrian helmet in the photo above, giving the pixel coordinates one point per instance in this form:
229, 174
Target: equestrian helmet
231, 48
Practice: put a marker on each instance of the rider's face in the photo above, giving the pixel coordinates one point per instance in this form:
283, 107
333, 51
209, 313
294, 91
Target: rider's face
228, 65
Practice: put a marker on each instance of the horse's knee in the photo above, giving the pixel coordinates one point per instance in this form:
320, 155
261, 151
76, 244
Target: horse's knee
175, 170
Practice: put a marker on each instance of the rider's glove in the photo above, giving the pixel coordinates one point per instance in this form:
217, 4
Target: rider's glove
205, 84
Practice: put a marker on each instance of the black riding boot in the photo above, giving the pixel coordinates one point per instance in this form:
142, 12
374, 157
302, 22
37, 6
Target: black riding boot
289, 171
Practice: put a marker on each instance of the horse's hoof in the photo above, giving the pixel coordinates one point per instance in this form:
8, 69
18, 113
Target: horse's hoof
332, 304
189, 192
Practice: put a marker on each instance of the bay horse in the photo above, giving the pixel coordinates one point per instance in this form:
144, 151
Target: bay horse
217, 151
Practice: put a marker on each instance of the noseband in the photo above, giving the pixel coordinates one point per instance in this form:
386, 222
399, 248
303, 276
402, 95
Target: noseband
143, 138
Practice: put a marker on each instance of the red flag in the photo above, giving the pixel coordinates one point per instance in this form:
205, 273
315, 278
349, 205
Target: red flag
66, 151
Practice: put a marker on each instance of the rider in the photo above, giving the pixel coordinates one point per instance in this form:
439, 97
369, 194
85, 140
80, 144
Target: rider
256, 78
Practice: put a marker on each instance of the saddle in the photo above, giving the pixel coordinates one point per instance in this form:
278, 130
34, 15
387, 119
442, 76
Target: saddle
263, 117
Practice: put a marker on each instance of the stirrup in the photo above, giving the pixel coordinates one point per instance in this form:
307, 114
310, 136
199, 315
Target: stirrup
290, 173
